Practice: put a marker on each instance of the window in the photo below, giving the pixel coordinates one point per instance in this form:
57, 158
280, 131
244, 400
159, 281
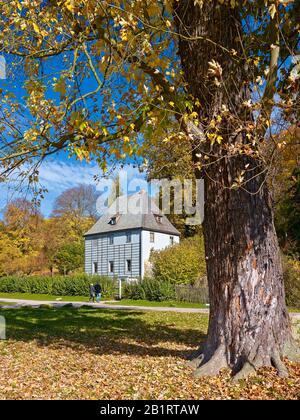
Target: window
172, 240
152, 237
158, 218
94, 244
111, 240
128, 265
95, 268
111, 266
128, 238
113, 221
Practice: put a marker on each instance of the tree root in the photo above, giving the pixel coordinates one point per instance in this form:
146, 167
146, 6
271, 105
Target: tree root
279, 365
214, 365
251, 367
246, 370
196, 361
209, 363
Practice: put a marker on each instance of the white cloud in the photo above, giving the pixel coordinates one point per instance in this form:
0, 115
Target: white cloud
57, 176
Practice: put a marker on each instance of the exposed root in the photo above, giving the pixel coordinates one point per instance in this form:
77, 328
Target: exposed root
246, 370
279, 365
214, 365
196, 361
251, 367
209, 363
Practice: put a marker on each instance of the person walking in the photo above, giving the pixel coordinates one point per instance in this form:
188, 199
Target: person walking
98, 291
92, 293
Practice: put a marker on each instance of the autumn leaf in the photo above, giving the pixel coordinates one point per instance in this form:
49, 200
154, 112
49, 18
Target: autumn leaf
60, 87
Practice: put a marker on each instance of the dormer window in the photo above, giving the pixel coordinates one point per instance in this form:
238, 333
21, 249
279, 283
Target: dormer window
114, 220
158, 218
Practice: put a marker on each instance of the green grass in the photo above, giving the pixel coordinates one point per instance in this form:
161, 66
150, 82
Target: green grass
125, 302
294, 309
31, 296
7, 303
167, 304
83, 325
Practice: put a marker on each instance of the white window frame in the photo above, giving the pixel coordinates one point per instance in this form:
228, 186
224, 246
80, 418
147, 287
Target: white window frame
109, 266
127, 270
95, 267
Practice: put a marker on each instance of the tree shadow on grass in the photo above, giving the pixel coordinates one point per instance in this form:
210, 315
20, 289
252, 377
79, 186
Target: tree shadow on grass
105, 331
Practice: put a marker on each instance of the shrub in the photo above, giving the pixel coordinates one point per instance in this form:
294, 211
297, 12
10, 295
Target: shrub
69, 257
149, 289
73, 285
183, 263
291, 274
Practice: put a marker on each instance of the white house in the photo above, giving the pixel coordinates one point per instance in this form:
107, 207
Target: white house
120, 243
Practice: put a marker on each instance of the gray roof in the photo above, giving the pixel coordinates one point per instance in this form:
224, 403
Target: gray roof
132, 212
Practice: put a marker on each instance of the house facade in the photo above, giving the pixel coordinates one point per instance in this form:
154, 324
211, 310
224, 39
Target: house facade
120, 243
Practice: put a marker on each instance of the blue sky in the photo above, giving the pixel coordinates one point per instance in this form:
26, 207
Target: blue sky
60, 173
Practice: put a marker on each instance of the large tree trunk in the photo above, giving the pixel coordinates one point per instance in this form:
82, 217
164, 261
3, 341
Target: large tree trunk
249, 323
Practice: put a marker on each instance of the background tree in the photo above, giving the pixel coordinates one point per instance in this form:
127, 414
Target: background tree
288, 216
233, 69
284, 183
76, 207
29, 243
182, 263
21, 238
69, 257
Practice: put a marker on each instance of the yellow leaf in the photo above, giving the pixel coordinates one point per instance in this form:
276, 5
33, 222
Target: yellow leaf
256, 60
36, 28
69, 4
272, 10
61, 87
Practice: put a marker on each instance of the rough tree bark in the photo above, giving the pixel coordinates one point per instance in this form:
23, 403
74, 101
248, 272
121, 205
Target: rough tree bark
249, 323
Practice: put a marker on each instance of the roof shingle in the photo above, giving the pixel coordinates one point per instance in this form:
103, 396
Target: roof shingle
135, 211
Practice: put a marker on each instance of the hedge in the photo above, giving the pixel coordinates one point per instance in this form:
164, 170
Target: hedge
72, 285
149, 289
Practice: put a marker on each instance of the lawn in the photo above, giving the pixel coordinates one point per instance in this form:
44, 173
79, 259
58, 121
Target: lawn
7, 303
124, 302
113, 354
31, 296
167, 304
